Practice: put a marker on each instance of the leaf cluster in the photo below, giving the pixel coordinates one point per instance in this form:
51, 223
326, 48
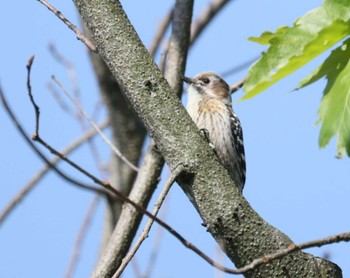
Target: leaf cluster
290, 48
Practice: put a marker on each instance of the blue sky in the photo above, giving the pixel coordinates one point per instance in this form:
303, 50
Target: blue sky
291, 183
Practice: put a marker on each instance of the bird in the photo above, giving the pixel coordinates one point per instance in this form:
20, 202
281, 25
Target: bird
210, 107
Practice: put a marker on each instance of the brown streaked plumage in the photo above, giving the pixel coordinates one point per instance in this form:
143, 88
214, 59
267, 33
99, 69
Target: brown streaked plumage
209, 105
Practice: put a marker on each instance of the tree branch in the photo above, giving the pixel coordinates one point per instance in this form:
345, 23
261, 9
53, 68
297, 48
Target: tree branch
292, 248
238, 68
69, 67
151, 168
235, 87
161, 32
80, 35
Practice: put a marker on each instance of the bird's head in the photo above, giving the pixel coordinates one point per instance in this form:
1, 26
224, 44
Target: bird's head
208, 85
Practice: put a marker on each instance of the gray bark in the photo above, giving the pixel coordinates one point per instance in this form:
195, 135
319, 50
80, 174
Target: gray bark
241, 232
149, 173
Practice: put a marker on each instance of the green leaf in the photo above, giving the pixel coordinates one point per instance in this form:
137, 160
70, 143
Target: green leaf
267, 36
335, 105
330, 68
292, 47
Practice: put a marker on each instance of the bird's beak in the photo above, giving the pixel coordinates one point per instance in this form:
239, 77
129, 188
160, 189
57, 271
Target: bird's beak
187, 79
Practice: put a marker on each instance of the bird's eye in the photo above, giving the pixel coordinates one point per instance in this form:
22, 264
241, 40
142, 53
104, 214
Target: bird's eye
206, 80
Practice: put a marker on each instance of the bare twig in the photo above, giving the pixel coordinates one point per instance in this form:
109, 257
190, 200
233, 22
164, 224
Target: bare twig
235, 87
81, 235
29, 88
136, 269
178, 44
42, 172
80, 35
57, 96
238, 68
295, 247
161, 32
155, 248
75, 87
149, 224
163, 57
39, 153
206, 16
68, 65
82, 111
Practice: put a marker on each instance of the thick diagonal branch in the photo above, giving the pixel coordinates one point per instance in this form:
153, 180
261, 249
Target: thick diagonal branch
151, 167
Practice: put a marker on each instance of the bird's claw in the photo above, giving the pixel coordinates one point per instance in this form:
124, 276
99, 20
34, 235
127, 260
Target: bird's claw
205, 134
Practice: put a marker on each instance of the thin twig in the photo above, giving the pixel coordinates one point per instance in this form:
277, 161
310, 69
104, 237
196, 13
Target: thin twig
205, 17
161, 32
155, 248
238, 68
164, 57
235, 87
69, 67
57, 96
150, 222
81, 236
80, 35
42, 172
40, 154
29, 87
136, 268
104, 137
75, 87
292, 248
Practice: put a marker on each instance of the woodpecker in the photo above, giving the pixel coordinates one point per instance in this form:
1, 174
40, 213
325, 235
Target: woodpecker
210, 107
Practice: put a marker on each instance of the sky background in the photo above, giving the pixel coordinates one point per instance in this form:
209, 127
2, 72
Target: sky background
295, 186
